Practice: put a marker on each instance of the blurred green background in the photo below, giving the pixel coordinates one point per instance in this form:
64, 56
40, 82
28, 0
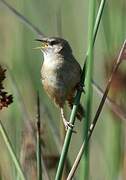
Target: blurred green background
68, 19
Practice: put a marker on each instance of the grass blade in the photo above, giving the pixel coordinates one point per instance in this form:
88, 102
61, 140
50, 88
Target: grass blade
11, 151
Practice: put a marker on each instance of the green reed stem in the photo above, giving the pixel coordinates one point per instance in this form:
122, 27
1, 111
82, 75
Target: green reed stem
11, 151
88, 86
76, 102
39, 162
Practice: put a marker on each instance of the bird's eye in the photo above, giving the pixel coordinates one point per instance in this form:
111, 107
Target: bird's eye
53, 43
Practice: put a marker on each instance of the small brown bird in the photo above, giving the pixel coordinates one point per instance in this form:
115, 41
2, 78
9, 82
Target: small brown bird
60, 74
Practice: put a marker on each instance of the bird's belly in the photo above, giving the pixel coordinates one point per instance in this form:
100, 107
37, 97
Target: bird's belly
58, 81
53, 76
55, 90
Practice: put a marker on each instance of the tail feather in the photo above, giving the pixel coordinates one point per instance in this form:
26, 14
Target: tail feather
80, 109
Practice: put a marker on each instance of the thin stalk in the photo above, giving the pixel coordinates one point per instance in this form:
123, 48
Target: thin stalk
61, 129
92, 126
98, 19
11, 151
66, 142
115, 108
76, 102
88, 86
96, 27
39, 162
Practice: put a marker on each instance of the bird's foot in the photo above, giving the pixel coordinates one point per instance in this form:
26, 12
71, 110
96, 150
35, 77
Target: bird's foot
66, 123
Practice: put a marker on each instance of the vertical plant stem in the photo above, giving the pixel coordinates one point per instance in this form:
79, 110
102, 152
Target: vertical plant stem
93, 124
66, 142
11, 151
62, 128
98, 19
88, 86
76, 102
39, 163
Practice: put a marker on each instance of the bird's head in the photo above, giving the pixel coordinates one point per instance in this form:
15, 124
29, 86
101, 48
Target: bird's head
54, 45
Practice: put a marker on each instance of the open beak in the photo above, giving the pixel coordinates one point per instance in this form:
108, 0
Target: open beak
43, 45
39, 40
37, 47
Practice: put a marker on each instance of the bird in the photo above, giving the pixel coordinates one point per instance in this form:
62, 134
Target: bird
60, 74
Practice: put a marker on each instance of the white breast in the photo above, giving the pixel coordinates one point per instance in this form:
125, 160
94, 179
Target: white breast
51, 61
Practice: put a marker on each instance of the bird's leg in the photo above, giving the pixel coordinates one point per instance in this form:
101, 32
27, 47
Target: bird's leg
66, 123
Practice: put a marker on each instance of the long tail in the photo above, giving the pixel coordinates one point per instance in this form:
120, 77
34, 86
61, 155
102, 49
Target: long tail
80, 110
